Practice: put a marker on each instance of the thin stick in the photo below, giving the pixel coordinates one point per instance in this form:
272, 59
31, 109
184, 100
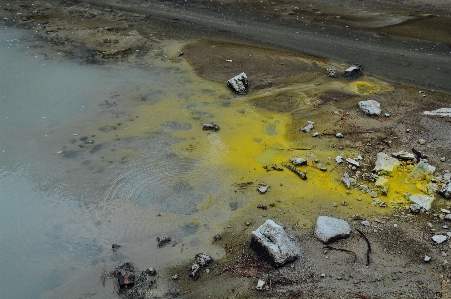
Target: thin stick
342, 249
369, 247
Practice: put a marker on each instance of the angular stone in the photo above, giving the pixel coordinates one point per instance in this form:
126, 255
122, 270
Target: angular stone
402, 155
439, 239
238, 83
347, 180
308, 127
329, 229
423, 200
385, 164
271, 240
370, 107
419, 172
445, 191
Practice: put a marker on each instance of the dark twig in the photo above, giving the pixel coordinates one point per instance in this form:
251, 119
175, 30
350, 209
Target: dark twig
301, 174
342, 249
369, 246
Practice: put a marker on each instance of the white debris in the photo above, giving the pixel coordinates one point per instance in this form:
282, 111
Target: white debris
439, 239
228, 60
338, 159
339, 135
315, 134
260, 285
370, 107
238, 83
262, 188
308, 127
353, 162
298, 161
385, 164
427, 258
423, 200
365, 223
440, 112
402, 155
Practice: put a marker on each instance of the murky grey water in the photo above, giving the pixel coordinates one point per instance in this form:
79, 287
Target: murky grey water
64, 195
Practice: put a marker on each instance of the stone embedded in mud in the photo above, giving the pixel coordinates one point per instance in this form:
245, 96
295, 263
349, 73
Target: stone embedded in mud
298, 161
385, 164
370, 107
239, 83
308, 127
271, 240
448, 217
262, 188
423, 200
329, 229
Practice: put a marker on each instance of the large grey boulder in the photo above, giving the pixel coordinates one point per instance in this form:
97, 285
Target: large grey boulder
238, 83
423, 200
271, 240
329, 229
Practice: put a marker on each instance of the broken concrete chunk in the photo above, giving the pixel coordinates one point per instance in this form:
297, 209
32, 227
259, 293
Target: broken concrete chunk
239, 83
402, 155
439, 239
308, 127
271, 240
298, 161
370, 107
329, 229
423, 200
347, 180
385, 164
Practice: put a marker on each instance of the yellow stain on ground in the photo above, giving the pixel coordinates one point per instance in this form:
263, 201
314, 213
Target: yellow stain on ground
368, 87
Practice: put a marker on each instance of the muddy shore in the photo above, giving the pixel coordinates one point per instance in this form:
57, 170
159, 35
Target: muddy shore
286, 71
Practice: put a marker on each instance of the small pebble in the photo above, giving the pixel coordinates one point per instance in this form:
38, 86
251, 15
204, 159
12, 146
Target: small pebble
443, 159
339, 135
427, 258
422, 141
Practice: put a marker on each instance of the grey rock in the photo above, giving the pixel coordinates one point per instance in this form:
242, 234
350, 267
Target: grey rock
271, 240
329, 229
347, 180
445, 191
415, 208
370, 107
402, 155
423, 200
442, 112
239, 83
385, 164
352, 162
439, 239
298, 161
448, 217
308, 127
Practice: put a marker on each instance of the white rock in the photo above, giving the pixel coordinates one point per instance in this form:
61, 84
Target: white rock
370, 107
260, 284
308, 127
423, 200
347, 180
338, 159
365, 223
445, 211
316, 134
402, 155
329, 229
238, 83
439, 239
339, 135
448, 217
427, 258
298, 161
385, 164
353, 162
271, 240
